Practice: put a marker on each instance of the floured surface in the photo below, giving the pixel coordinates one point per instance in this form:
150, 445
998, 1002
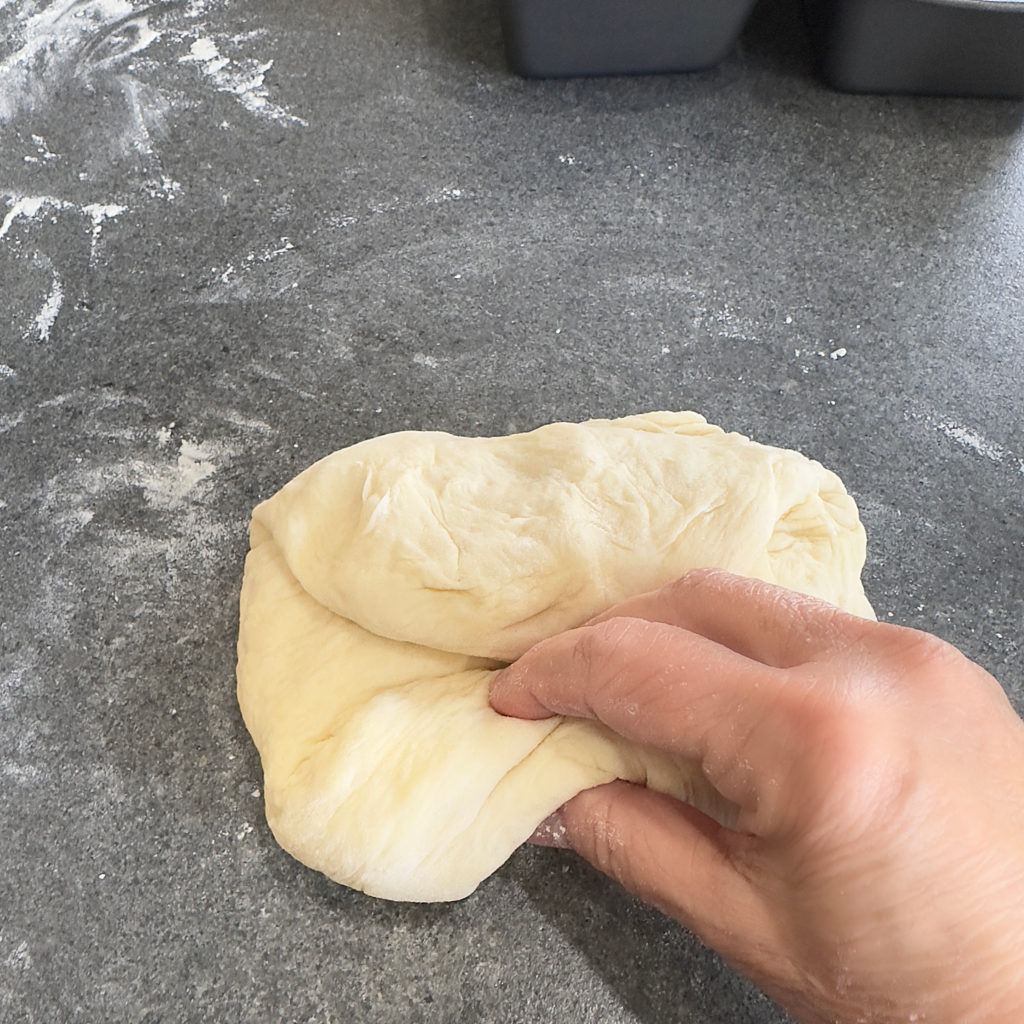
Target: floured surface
419, 256
386, 582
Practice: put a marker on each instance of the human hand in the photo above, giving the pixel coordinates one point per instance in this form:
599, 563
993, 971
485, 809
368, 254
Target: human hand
876, 871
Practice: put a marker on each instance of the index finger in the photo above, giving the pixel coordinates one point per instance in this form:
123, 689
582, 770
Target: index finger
662, 685
765, 622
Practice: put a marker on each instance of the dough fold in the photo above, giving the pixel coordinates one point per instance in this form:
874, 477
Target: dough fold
388, 581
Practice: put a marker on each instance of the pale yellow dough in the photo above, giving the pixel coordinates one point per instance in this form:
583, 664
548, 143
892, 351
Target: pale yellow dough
388, 581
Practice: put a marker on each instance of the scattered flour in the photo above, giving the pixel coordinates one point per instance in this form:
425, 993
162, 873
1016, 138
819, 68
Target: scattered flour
172, 479
28, 207
10, 421
973, 441
59, 51
32, 208
20, 959
58, 40
247, 423
244, 79
47, 316
98, 213
169, 486
21, 773
253, 259
445, 195
165, 188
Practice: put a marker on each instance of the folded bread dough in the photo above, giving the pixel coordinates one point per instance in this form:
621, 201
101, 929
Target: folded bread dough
387, 582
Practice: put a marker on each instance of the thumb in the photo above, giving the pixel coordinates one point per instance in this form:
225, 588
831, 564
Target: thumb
671, 856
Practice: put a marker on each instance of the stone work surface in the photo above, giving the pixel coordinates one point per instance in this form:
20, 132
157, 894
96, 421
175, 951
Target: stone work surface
237, 236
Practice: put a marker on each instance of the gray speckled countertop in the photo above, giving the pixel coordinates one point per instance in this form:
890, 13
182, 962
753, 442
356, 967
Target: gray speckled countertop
237, 236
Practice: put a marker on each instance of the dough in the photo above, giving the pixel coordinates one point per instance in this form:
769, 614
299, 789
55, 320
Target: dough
388, 581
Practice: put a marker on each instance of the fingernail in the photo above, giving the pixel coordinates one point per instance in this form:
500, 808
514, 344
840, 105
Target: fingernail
552, 831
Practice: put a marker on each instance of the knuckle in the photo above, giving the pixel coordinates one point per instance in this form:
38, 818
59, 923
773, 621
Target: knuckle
921, 651
586, 654
606, 842
596, 646
693, 589
693, 582
597, 835
847, 763
615, 659
894, 659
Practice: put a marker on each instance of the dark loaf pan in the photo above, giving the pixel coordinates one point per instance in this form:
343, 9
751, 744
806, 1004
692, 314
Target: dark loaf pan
559, 38
933, 47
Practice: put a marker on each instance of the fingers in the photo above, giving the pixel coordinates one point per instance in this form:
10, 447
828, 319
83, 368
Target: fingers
769, 624
671, 856
660, 685
632, 674
700, 668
